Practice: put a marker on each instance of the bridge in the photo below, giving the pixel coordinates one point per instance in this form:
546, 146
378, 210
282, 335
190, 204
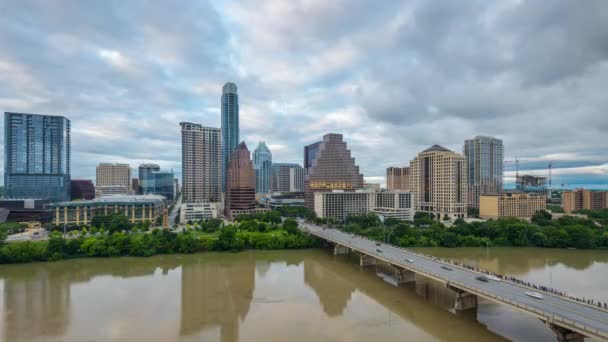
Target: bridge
570, 320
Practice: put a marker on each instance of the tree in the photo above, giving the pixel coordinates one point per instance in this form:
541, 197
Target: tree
291, 226
542, 218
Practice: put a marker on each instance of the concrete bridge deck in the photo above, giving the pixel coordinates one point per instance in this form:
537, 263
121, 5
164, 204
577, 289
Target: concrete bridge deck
568, 318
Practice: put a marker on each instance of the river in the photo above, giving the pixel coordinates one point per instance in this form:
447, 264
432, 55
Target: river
306, 295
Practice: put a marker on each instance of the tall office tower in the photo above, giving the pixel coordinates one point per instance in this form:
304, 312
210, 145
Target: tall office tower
438, 182
240, 185
230, 125
398, 178
484, 157
333, 169
287, 177
162, 184
145, 177
37, 156
113, 179
262, 164
82, 189
201, 163
310, 154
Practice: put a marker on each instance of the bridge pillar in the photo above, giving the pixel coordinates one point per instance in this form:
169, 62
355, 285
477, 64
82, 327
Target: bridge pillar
565, 334
339, 249
366, 260
405, 276
464, 300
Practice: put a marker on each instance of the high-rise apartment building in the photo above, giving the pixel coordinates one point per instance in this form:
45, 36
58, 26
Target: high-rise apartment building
37, 156
485, 159
262, 164
240, 185
113, 179
230, 125
438, 182
201, 163
581, 199
287, 177
517, 205
145, 178
332, 169
398, 178
310, 154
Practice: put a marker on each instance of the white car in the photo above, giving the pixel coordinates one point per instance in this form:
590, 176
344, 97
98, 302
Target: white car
534, 295
491, 277
409, 260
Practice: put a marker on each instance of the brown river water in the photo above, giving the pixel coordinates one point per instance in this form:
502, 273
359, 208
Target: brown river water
305, 295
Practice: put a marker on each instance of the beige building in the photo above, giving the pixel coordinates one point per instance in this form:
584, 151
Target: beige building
579, 199
112, 179
438, 183
518, 205
398, 178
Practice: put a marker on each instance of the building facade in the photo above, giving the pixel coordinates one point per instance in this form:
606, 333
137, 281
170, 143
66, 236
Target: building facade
310, 154
332, 169
37, 152
199, 211
287, 177
135, 189
398, 178
262, 164
201, 163
113, 179
531, 183
240, 185
517, 205
439, 183
163, 184
146, 182
339, 204
583, 199
82, 189
141, 208
485, 160
230, 126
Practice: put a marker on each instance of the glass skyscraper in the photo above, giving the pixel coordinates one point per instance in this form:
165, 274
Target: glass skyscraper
162, 182
484, 158
262, 164
230, 126
37, 156
146, 184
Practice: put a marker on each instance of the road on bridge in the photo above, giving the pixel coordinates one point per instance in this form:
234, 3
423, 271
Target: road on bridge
562, 311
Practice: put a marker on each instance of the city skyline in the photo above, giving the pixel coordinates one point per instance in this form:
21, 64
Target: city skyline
297, 84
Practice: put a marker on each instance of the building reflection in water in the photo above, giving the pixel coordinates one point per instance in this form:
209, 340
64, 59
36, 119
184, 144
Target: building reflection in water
216, 293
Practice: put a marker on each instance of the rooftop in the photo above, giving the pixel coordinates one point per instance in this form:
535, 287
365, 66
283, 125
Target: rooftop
436, 148
114, 199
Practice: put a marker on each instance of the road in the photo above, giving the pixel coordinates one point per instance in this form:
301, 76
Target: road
175, 211
587, 319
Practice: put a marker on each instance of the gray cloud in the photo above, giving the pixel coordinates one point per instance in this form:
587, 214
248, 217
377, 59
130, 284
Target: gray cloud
393, 77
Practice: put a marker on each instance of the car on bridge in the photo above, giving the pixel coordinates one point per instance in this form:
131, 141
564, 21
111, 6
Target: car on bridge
379, 250
446, 268
534, 295
409, 260
483, 278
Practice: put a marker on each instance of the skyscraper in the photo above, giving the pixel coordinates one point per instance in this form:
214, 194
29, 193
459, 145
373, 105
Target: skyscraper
333, 169
230, 125
262, 164
162, 184
145, 177
240, 185
201, 163
438, 183
113, 179
37, 156
484, 158
287, 177
310, 154
398, 178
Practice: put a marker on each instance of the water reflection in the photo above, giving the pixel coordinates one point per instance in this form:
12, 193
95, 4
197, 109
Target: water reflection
252, 296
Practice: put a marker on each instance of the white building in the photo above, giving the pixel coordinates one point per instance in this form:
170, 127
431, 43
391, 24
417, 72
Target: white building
112, 179
199, 211
340, 204
201, 163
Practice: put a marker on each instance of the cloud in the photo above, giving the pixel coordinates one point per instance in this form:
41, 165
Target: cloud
394, 79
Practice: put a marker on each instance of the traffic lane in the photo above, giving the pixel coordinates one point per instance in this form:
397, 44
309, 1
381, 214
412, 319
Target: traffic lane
565, 308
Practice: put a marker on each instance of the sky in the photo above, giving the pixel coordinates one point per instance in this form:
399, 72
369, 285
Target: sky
393, 77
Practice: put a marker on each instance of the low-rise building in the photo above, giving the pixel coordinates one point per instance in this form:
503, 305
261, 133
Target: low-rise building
199, 211
580, 199
294, 199
518, 205
340, 204
138, 208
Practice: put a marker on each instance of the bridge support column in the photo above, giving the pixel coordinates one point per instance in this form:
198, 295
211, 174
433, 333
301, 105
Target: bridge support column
464, 300
366, 260
566, 335
405, 276
339, 249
